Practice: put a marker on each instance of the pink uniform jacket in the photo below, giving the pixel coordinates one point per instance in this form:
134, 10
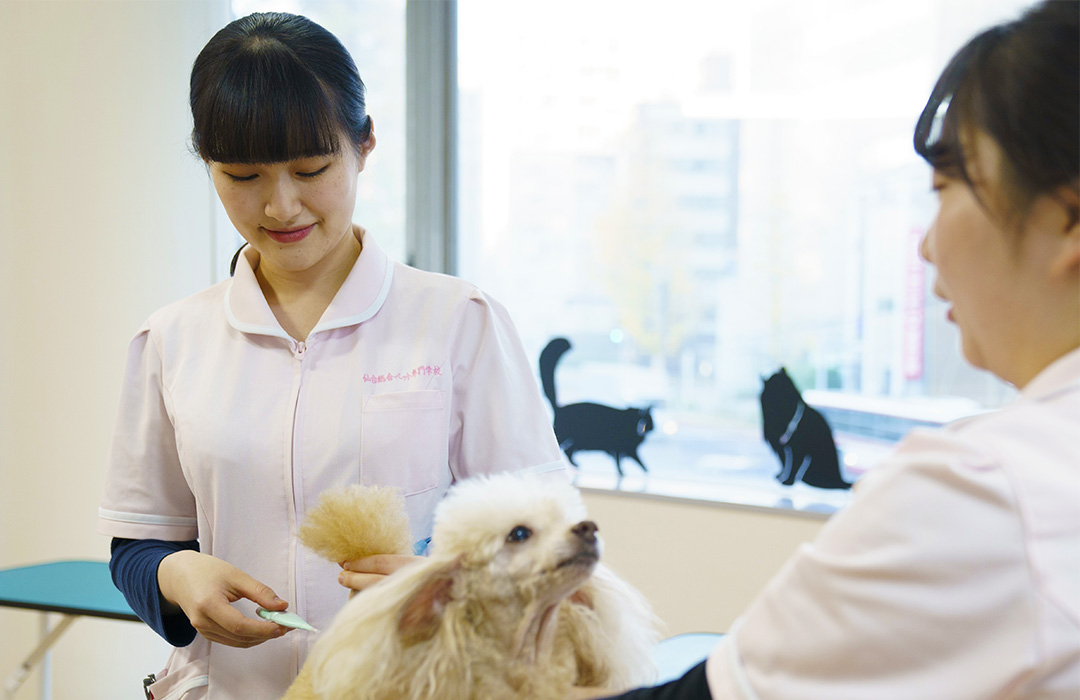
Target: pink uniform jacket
229, 430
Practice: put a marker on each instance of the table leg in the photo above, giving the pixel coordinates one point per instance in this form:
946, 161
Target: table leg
20, 675
45, 687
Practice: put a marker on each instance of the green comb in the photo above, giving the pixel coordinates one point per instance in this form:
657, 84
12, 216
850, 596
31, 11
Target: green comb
285, 619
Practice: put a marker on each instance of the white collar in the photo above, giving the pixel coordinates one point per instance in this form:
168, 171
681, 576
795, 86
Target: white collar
360, 297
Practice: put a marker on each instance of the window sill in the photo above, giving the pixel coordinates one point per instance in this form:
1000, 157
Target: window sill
730, 468
796, 501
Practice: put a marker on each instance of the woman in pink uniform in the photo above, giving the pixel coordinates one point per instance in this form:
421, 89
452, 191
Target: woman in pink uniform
320, 363
954, 574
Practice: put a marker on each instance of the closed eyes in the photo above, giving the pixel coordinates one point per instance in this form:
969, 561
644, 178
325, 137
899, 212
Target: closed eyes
315, 173
306, 175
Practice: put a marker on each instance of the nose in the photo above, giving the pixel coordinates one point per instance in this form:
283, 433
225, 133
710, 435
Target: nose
283, 200
924, 244
586, 530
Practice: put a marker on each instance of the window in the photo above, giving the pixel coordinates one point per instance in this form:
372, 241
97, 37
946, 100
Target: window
697, 193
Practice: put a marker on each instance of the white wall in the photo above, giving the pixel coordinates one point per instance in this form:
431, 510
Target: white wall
104, 216
699, 564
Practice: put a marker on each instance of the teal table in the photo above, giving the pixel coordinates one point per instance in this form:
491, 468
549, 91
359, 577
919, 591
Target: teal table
72, 589
84, 588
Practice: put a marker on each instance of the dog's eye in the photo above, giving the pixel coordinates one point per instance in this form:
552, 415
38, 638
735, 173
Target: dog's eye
520, 533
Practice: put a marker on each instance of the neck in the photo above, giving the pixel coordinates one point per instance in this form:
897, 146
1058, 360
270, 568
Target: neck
298, 298
1025, 371
530, 636
1047, 330
535, 635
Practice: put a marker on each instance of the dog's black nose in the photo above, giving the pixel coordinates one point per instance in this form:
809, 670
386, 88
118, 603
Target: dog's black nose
586, 530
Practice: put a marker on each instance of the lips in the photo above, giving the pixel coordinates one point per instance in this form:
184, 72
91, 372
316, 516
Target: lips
588, 557
289, 236
941, 295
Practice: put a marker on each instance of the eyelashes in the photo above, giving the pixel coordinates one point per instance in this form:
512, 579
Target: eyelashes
306, 175
316, 173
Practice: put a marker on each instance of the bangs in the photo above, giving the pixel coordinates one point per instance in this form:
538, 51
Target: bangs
937, 133
267, 108
955, 107
937, 137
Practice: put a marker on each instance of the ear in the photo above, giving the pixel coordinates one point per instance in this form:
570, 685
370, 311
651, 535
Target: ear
366, 146
423, 611
1067, 260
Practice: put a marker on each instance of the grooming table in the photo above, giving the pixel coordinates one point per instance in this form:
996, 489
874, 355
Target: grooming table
676, 655
84, 588
70, 588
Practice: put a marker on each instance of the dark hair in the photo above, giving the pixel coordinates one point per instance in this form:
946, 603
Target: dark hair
272, 87
1018, 82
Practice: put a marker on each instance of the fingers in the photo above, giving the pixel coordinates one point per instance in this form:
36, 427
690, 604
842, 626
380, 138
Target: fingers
364, 573
384, 564
222, 623
359, 582
257, 592
204, 587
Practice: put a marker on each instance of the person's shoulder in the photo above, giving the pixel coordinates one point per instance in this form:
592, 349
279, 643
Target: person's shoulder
436, 287
1042, 429
417, 279
929, 459
194, 309
1026, 450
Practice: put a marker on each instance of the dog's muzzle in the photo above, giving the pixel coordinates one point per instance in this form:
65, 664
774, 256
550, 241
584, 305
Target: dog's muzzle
586, 530
588, 545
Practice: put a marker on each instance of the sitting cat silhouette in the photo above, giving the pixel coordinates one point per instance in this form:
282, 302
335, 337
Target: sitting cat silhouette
799, 435
592, 426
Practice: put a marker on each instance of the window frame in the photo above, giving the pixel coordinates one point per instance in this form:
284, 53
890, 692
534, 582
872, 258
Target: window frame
431, 157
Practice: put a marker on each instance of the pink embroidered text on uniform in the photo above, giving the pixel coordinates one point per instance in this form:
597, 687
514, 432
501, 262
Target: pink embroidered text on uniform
422, 371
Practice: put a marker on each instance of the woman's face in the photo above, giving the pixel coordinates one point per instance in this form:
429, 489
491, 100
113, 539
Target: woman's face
993, 275
294, 213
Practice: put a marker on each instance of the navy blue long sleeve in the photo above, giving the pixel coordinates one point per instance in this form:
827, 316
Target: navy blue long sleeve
134, 565
692, 686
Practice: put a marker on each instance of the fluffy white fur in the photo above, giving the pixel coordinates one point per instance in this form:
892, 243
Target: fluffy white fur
357, 522
511, 604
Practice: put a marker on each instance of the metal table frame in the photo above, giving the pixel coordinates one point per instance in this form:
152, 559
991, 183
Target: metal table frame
70, 588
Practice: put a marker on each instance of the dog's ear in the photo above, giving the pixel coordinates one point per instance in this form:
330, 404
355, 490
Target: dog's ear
423, 610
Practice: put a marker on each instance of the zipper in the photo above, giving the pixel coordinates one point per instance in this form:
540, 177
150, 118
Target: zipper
299, 350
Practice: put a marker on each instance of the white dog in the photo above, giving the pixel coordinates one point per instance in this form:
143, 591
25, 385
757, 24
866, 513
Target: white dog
511, 604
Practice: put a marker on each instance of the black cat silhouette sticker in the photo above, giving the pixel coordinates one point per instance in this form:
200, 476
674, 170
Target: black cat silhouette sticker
593, 426
799, 435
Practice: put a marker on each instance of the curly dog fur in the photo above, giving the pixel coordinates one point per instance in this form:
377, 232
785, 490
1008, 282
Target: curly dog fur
511, 604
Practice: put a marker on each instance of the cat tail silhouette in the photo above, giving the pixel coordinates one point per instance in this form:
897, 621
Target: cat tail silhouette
592, 426
549, 357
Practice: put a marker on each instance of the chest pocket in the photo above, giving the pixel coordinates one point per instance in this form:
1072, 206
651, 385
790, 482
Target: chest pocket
404, 440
